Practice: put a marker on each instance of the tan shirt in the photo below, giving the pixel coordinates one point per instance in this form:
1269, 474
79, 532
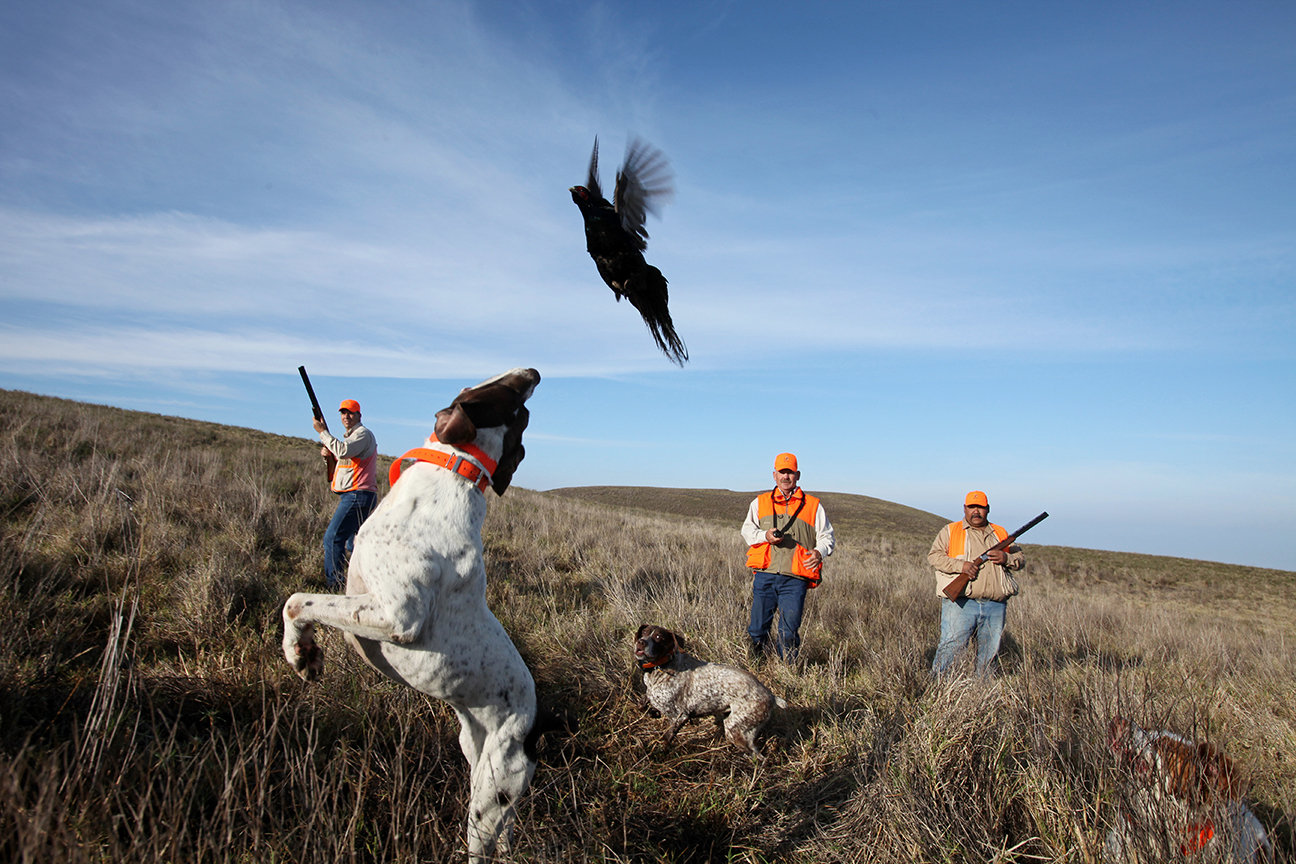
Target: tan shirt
993, 582
357, 455
753, 532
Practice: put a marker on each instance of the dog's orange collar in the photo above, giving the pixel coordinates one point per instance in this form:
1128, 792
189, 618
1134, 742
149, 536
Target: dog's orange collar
1199, 834
649, 665
477, 472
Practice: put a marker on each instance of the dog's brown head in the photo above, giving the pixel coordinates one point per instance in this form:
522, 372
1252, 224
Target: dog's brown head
655, 646
496, 402
1198, 773
1118, 736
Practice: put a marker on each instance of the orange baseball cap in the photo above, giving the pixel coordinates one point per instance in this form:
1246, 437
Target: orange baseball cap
785, 461
350, 405
978, 498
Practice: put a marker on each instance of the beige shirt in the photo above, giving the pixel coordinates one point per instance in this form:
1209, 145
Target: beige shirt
357, 456
753, 533
993, 582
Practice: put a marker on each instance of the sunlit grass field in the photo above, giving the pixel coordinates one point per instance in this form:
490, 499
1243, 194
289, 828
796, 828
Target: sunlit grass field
146, 713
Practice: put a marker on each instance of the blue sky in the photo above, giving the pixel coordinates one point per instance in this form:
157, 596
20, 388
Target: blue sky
1040, 249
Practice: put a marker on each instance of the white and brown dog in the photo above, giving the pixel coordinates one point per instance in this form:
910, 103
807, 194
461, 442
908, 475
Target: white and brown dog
1185, 797
415, 605
683, 687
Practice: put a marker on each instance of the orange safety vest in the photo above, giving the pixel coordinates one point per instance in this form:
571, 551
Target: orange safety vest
786, 559
958, 538
352, 474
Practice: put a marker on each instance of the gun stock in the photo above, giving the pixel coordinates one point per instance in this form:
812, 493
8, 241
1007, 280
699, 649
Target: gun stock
955, 588
330, 461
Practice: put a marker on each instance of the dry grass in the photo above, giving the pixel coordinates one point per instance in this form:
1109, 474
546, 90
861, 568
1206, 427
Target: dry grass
146, 714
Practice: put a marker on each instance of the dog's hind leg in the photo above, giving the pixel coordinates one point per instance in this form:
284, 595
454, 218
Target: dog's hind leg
741, 730
745, 739
472, 738
501, 776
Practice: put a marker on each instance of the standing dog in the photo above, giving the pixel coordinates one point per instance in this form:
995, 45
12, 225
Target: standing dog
415, 607
1182, 795
682, 687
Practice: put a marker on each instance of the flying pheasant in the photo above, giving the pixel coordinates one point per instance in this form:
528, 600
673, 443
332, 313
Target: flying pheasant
615, 237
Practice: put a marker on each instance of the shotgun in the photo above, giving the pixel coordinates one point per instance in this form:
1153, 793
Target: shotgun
955, 588
330, 461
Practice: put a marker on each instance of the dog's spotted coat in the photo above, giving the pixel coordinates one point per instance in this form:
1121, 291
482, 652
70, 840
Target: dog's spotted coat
415, 604
682, 687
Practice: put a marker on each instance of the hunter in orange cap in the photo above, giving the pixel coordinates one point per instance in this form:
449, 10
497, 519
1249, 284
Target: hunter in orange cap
788, 535
980, 609
354, 480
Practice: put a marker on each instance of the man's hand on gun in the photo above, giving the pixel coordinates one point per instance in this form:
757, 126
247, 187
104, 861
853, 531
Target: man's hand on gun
321, 426
972, 569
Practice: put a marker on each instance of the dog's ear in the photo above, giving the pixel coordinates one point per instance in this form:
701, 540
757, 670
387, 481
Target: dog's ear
1217, 773
453, 426
1118, 734
513, 453
677, 639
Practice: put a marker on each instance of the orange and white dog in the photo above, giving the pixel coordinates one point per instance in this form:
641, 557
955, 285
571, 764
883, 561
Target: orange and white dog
1184, 798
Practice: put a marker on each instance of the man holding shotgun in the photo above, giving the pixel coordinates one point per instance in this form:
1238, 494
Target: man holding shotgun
354, 481
963, 552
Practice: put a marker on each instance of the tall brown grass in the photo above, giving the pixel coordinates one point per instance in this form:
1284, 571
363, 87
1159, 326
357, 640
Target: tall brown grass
146, 713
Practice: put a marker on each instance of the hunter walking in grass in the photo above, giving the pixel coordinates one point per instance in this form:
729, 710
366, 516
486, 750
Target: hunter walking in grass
355, 482
980, 608
789, 535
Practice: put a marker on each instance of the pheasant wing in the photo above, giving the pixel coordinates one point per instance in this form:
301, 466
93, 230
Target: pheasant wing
644, 182
592, 182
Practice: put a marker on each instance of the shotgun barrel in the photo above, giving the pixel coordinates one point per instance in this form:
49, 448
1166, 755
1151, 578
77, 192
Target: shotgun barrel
330, 461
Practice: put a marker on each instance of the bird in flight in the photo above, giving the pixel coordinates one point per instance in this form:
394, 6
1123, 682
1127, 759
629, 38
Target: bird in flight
615, 236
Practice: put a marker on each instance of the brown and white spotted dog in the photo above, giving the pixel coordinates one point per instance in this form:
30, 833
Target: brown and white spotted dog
683, 687
1184, 797
415, 605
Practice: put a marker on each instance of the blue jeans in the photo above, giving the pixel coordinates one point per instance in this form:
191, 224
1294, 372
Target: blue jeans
353, 509
787, 594
960, 620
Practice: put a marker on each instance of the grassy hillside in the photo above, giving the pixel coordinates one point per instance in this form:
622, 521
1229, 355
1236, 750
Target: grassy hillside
146, 713
857, 519
856, 514
1256, 596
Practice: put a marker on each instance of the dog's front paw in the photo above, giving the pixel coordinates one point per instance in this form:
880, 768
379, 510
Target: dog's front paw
305, 655
310, 660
